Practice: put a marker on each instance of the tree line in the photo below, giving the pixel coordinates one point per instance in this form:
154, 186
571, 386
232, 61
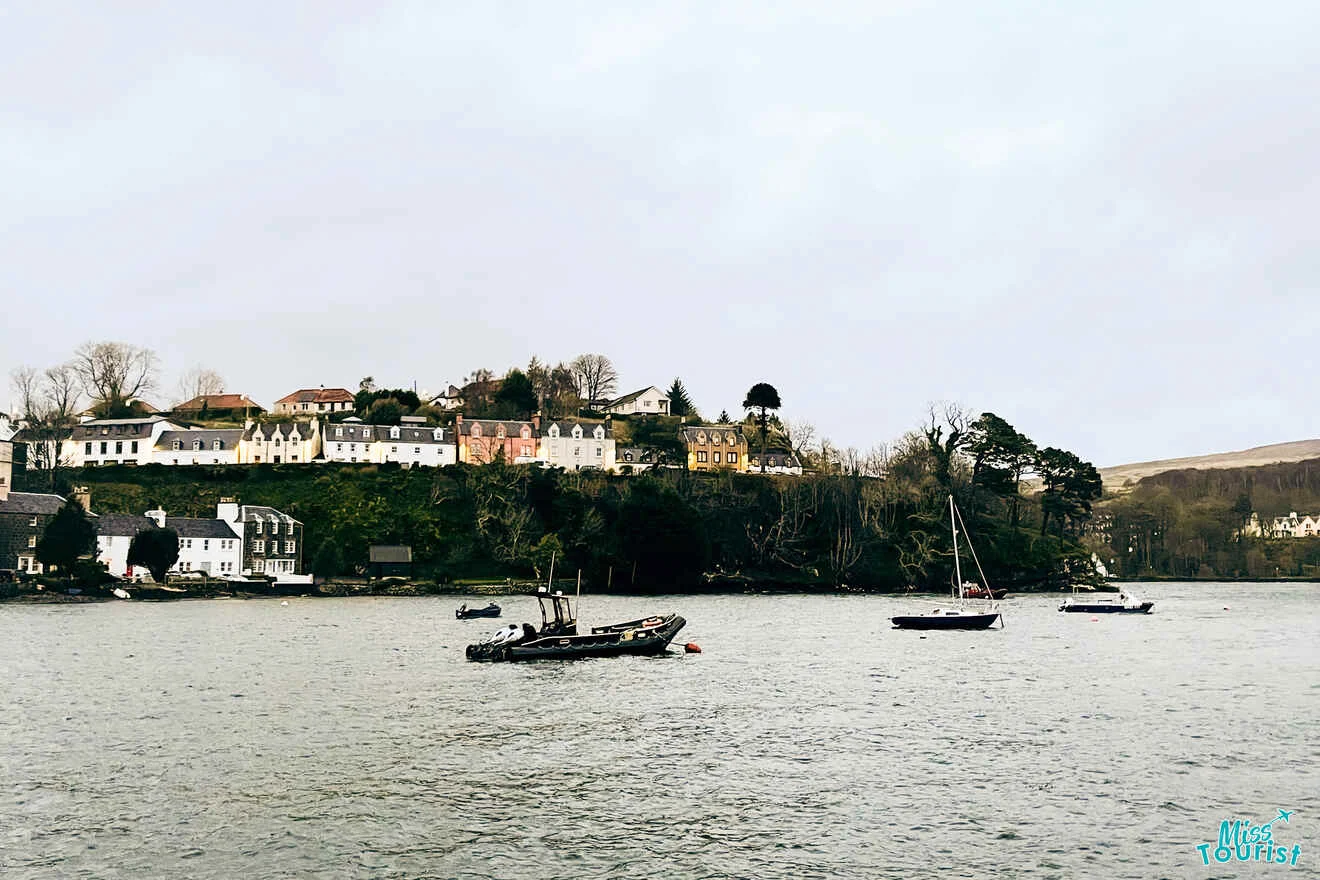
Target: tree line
871, 522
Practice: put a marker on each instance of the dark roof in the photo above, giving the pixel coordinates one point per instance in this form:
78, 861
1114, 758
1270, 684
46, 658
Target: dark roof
117, 429
32, 503
640, 455
566, 427
199, 528
220, 401
253, 512
390, 553
367, 433
490, 427
629, 398
783, 457
690, 431
122, 524
228, 437
285, 429
318, 395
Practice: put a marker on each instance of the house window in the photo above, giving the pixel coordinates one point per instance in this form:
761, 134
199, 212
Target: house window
770, 462
717, 458
701, 456
134, 447
119, 447
32, 541
733, 458
206, 543
417, 450
197, 446
277, 441
176, 445
288, 546
217, 445
258, 565
259, 525
527, 450
258, 546
599, 452
627, 456
103, 447
577, 450
33, 522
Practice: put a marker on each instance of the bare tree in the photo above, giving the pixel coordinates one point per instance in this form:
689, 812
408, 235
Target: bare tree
114, 374
799, 434
48, 402
595, 375
199, 381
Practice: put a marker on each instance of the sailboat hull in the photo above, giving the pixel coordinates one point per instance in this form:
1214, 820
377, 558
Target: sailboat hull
946, 621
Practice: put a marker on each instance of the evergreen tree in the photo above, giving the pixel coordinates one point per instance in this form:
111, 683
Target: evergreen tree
156, 550
680, 404
68, 535
764, 397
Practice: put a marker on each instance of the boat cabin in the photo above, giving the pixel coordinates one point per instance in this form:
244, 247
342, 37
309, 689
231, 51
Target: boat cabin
556, 613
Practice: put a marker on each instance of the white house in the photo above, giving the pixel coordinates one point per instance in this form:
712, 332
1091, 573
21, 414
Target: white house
280, 442
574, 445
1294, 526
210, 546
115, 441
648, 401
198, 446
409, 445
7, 428
777, 461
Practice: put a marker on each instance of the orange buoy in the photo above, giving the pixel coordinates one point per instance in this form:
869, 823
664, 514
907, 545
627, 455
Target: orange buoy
692, 648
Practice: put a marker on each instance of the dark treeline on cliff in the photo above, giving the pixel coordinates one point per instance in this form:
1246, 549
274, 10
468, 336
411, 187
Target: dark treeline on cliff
873, 522
1189, 523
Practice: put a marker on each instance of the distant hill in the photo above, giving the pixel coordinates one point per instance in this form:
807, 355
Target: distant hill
1123, 477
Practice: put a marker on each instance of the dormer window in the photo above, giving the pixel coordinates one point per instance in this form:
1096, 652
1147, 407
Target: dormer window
733, 439
339, 432
439, 434
499, 432
197, 446
394, 433
554, 431
599, 433
526, 433
577, 432
701, 436
476, 430
217, 445
176, 445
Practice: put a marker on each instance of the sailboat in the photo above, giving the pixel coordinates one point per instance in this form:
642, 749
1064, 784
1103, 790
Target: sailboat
958, 616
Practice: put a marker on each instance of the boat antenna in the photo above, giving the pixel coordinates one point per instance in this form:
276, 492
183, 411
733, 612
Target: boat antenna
550, 584
957, 567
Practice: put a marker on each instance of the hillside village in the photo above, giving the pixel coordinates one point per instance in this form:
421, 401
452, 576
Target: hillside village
567, 424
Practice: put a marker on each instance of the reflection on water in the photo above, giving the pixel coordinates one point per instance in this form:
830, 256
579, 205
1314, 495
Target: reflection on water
349, 738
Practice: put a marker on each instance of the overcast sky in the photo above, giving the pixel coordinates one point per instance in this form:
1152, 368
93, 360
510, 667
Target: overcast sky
1097, 220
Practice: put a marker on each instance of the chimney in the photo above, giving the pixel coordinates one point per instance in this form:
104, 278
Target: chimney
157, 516
83, 496
536, 423
6, 468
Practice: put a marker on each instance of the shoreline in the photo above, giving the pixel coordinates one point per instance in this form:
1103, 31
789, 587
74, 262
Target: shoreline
344, 590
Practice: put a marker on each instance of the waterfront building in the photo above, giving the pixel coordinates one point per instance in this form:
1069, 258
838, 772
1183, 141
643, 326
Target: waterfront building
575, 444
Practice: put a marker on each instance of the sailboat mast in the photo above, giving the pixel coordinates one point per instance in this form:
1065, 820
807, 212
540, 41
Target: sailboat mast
957, 566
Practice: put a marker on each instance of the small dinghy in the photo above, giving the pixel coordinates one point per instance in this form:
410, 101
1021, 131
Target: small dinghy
491, 610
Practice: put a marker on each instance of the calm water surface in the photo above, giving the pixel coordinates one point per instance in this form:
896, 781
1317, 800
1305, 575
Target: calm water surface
349, 738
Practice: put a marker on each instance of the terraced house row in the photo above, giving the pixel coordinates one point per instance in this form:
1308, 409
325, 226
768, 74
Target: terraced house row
572, 444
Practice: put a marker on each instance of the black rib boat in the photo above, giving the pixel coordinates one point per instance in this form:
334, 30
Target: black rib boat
558, 638
491, 610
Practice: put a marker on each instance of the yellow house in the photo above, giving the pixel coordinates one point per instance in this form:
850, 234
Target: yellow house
715, 448
280, 442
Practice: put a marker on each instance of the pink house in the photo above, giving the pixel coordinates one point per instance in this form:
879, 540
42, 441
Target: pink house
481, 441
